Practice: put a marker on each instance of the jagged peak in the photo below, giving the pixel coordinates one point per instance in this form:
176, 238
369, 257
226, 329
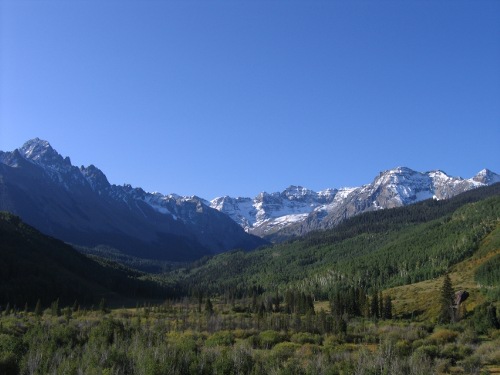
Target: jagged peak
486, 176
40, 151
34, 147
485, 172
438, 173
95, 176
398, 170
297, 191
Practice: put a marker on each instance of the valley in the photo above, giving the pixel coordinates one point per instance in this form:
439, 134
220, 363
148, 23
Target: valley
132, 287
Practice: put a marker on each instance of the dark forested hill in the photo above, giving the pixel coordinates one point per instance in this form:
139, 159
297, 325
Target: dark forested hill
377, 249
34, 266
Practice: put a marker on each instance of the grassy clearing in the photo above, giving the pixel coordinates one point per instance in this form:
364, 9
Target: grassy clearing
420, 301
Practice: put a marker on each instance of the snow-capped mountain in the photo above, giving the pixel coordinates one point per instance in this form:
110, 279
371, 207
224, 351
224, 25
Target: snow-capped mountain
80, 206
297, 210
273, 210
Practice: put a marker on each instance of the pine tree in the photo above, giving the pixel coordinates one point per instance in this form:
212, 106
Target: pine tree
38, 308
254, 302
262, 309
491, 313
277, 302
200, 300
54, 307
102, 306
374, 306
447, 296
7, 309
381, 305
209, 308
387, 313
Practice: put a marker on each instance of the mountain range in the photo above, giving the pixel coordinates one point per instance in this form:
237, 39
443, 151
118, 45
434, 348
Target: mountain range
297, 210
80, 206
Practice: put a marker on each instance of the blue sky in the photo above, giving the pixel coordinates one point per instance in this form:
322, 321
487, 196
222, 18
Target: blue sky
236, 97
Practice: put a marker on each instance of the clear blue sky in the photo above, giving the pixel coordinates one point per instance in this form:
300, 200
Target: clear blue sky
236, 97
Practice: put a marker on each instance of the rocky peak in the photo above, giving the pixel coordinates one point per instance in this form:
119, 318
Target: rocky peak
296, 192
41, 152
487, 177
95, 177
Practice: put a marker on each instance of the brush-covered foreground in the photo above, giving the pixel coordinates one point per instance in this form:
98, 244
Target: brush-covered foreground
201, 337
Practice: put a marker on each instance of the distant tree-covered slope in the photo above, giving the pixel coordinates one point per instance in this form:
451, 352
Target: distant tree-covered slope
34, 266
376, 249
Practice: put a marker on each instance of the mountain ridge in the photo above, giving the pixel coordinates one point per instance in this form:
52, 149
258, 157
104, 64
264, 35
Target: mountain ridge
203, 225
281, 215
80, 206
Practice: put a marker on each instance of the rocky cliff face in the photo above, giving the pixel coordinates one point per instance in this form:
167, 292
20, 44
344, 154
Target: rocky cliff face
80, 206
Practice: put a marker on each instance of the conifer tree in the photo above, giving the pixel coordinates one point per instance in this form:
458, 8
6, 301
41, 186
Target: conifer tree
374, 306
381, 305
262, 309
38, 308
200, 300
491, 313
277, 302
446, 303
387, 313
102, 306
7, 309
54, 307
209, 308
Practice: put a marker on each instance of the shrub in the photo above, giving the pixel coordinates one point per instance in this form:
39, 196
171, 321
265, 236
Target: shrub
268, 339
284, 350
403, 348
468, 336
105, 332
420, 363
241, 356
456, 352
431, 351
443, 336
221, 338
471, 365
306, 338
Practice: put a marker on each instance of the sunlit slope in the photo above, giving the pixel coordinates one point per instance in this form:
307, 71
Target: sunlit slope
379, 249
421, 300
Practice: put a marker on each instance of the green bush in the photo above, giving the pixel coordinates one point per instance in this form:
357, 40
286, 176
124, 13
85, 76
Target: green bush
268, 339
456, 352
443, 336
284, 350
403, 348
221, 338
306, 338
471, 365
105, 332
431, 351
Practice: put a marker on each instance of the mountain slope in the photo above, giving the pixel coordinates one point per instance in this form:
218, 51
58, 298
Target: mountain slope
380, 248
80, 206
34, 266
420, 299
297, 211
